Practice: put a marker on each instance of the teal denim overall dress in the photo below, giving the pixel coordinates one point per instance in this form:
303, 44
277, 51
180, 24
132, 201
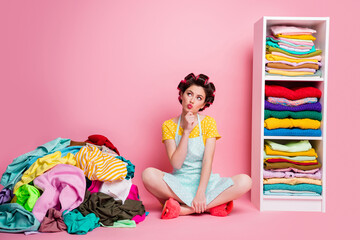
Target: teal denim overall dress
184, 182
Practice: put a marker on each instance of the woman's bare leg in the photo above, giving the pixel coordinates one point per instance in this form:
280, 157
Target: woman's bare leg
242, 184
154, 183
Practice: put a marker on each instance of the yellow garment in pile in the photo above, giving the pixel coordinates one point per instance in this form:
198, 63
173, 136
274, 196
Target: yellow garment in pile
289, 73
303, 123
100, 166
305, 161
304, 37
42, 165
292, 181
272, 57
310, 152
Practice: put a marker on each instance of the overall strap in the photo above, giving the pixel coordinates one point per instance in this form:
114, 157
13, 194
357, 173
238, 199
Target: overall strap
178, 125
199, 125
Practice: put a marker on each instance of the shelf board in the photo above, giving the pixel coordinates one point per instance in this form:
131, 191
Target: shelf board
292, 197
293, 138
304, 79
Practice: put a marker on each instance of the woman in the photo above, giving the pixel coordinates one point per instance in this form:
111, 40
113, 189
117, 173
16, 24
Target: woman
190, 145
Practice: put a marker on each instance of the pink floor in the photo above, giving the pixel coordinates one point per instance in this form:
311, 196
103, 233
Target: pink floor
245, 222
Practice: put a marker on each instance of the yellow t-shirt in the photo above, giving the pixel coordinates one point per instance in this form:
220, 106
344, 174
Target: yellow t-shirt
208, 128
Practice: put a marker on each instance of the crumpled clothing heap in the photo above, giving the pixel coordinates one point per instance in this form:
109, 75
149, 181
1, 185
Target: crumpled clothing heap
100, 166
100, 141
6, 195
78, 224
27, 196
14, 218
14, 171
53, 222
44, 164
109, 210
64, 185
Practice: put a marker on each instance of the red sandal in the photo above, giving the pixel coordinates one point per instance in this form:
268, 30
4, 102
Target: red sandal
171, 209
222, 210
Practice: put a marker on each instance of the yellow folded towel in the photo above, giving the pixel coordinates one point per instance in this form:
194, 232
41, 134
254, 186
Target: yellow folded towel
292, 181
289, 73
310, 152
303, 123
272, 57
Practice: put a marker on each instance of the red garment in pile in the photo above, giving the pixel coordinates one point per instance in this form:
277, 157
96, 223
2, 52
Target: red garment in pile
101, 140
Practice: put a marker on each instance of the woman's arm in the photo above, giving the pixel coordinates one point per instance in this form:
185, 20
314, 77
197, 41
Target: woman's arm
177, 155
199, 202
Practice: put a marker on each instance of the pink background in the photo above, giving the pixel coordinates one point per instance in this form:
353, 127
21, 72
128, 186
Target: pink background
75, 68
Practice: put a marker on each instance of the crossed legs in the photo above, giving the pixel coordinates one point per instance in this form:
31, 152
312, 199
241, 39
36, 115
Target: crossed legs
154, 183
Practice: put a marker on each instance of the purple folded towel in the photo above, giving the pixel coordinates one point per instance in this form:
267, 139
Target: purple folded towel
303, 107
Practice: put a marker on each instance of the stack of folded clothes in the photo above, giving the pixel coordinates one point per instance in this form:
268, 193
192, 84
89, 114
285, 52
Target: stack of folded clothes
292, 112
290, 51
291, 169
70, 186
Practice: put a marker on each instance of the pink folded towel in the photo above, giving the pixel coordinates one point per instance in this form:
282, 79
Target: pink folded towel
64, 189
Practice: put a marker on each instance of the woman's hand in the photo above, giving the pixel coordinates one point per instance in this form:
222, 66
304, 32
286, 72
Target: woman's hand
199, 203
190, 122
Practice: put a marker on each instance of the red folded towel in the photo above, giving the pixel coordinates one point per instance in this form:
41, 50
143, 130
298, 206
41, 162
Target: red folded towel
291, 94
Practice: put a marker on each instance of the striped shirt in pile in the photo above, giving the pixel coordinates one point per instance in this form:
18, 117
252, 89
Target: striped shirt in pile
100, 166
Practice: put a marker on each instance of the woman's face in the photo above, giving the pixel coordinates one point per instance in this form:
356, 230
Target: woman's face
193, 99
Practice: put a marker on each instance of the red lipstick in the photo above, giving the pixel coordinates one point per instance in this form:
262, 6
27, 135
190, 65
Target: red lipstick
189, 106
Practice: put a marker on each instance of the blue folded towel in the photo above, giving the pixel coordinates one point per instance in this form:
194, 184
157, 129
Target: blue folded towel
296, 187
293, 132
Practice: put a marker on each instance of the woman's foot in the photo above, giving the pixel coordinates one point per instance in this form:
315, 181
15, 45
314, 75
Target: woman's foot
222, 210
171, 209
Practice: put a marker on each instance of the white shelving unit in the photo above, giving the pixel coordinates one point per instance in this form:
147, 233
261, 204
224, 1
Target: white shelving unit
261, 30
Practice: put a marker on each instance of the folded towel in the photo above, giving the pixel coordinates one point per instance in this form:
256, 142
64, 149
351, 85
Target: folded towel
291, 94
303, 163
292, 146
305, 37
298, 187
310, 152
289, 73
270, 49
294, 42
296, 115
288, 174
286, 49
304, 107
292, 181
317, 74
290, 29
293, 132
291, 65
275, 57
290, 193
268, 166
274, 123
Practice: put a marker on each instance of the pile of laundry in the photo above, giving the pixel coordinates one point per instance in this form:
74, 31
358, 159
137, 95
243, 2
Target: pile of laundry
70, 186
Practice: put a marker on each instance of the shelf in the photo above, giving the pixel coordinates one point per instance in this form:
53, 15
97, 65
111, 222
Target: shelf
260, 80
303, 79
292, 138
293, 197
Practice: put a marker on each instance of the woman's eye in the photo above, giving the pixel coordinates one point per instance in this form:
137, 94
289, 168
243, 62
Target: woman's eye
189, 94
199, 98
